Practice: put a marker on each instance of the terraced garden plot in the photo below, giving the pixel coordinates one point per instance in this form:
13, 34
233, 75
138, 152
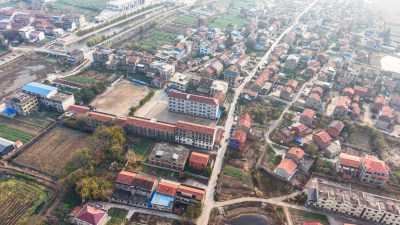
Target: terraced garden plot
185, 19
50, 153
19, 199
81, 80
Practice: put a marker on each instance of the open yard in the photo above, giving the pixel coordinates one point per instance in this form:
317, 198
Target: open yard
92, 76
360, 139
164, 37
300, 216
120, 98
272, 186
143, 149
51, 152
20, 198
227, 18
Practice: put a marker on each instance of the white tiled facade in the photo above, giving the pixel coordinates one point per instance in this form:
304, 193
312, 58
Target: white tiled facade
195, 139
193, 108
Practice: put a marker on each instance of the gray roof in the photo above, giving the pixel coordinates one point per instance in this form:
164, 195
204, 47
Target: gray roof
6, 146
312, 194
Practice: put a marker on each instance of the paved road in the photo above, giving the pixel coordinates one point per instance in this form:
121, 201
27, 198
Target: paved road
209, 199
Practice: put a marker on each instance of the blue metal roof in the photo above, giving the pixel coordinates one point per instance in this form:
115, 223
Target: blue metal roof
39, 89
160, 199
9, 111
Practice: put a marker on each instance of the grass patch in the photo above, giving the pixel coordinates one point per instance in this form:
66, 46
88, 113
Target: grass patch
272, 186
143, 148
232, 172
81, 80
14, 134
118, 213
300, 216
52, 59
159, 172
71, 201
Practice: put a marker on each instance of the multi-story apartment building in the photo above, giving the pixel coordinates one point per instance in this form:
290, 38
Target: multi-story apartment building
373, 171
195, 135
232, 75
23, 103
361, 205
169, 156
49, 96
193, 105
165, 70
150, 128
79, 20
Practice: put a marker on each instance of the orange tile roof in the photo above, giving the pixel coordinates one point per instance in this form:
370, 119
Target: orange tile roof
387, 111
245, 120
146, 123
361, 89
296, 151
79, 110
101, 117
373, 164
288, 165
240, 136
318, 90
199, 158
343, 102
184, 190
315, 96
251, 93
126, 177
195, 127
380, 100
350, 160
309, 113
166, 188
287, 89
350, 90
323, 136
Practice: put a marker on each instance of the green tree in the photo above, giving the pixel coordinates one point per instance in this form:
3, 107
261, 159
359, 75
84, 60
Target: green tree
93, 188
194, 210
312, 149
251, 44
46, 82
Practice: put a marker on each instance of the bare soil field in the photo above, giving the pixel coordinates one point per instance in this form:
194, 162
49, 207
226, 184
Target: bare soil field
120, 98
392, 156
97, 75
25, 69
360, 139
51, 153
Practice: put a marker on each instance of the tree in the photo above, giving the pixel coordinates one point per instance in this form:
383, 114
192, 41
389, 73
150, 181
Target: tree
93, 188
155, 24
251, 44
46, 82
247, 31
194, 210
312, 149
81, 159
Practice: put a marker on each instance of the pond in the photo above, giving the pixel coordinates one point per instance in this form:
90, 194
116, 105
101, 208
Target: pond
252, 219
390, 63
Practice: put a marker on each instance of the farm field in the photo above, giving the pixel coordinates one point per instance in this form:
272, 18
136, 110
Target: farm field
238, 4
232, 172
185, 19
227, 18
50, 153
15, 130
360, 139
81, 80
20, 198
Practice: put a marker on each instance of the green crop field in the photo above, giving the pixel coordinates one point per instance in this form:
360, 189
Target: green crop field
191, 20
229, 17
14, 134
118, 213
236, 4
19, 199
232, 172
81, 80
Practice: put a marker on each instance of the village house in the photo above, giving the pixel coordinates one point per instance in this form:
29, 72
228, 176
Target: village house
286, 169
335, 128
91, 215
314, 101
348, 165
307, 117
385, 118
286, 135
342, 106
373, 171
322, 139
332, 149
238, 140
244, 123
169, 156
379, 103
198, 161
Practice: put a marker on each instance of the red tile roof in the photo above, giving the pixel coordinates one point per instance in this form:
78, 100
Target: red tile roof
315, 96
199, 158
349, 90
322, 138
292, 83
309, 113
91, 215
343, 80
287, 89
373, 164
249, 92
195, 127
101, 117
296, 151
79, 110
75, 211
350, 160
361, 89
125, 177
344, 102
185, 190
380, 100
220, 96
135, 121
288, 165
387, 111
193, 98
218, 136
245, 120
166, 188
240, 136
318, 90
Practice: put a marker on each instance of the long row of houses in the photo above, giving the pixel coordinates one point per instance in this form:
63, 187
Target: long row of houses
182, 132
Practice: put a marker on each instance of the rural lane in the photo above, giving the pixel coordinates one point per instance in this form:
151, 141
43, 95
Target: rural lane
209, 200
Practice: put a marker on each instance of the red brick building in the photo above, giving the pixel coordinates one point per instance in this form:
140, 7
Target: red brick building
198, 161
322, 139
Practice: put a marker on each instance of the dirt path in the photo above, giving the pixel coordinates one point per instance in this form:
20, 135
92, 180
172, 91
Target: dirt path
288, 216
